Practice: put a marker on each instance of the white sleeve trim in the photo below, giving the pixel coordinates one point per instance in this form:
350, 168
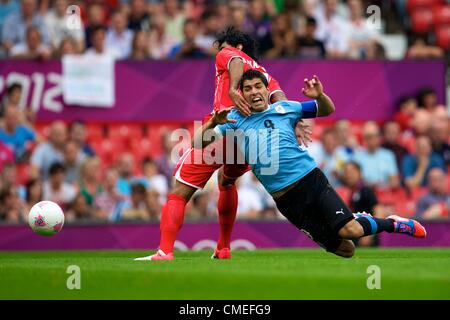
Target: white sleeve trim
231, 59
217, 130
278, 90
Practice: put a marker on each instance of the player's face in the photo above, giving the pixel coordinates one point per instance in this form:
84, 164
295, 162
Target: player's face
256, 94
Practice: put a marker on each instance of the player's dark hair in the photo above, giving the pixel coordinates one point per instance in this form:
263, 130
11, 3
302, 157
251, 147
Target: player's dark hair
250, 75
235, 37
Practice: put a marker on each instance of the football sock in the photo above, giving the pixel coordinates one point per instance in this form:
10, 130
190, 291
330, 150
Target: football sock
373, 225
227, 207
172, 217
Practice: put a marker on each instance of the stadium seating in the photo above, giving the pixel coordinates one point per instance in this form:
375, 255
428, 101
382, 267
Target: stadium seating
443, 36
422, 20
441, 15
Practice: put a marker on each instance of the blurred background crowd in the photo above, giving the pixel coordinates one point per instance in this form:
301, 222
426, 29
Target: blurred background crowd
175, 29
396, 166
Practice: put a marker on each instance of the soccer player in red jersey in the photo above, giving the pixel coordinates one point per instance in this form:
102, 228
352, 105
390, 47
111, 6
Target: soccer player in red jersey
237, 54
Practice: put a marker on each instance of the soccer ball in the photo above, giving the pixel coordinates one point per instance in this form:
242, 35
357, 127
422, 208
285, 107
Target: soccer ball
46, 218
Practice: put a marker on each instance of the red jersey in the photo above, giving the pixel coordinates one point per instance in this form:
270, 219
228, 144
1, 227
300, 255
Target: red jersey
222, 99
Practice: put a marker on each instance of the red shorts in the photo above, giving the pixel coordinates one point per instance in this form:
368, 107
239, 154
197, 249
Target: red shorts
196, 166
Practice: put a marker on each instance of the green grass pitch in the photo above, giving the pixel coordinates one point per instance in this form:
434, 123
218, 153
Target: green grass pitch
261, 274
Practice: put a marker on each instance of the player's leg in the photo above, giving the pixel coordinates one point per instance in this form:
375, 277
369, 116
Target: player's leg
353, 226
190, 176
227, 208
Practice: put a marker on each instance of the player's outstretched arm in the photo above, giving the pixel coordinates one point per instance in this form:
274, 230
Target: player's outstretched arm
218, 118
313, 89
236, 70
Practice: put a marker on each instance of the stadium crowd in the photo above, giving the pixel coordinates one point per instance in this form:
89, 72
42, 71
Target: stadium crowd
174, 29
397, 166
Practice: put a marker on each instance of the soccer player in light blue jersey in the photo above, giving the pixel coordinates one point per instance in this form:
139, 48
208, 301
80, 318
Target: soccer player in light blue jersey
301, 191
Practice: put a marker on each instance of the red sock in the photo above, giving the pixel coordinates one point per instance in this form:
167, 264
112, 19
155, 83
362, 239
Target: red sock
172, 217
227, 207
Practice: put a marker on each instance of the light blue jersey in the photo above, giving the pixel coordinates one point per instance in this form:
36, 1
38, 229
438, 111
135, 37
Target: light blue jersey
268, 142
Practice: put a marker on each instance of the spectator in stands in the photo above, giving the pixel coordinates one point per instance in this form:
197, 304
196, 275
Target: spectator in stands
155, 180
136, 207
139, 47
175, 19
118, 37
436, 203
201, 206
73, 158
309, 46
160, 42
362, 198
56, 190
332, 30
9, 178
210, 29
139, 18
57, 23
8, 8
378, 165
188, 48
257, 23
419, 48
153, 204
98, 49
346, 138
427, 99
16, 135
391, 137
439, 134
12, 97
11, 207
376, 51
15, 26
90, 179
237, 14
329, 156
281, 41
6, 155
67, 46
49, 152
125, 168
107, 204
415, 168
34, 193
250, 204
421, 122
78, 134
96, 18
32, 47
361, 35
79, 210
164, 162
407, 107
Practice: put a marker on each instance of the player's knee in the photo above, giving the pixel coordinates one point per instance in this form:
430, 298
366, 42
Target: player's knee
352, 230
183, 190
346, 249
225, 181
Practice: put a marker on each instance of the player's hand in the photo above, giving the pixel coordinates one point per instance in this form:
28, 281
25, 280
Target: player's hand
221, 117
313, 88
239, 102
303, 133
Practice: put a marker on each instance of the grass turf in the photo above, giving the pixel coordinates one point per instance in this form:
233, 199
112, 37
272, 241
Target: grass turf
261, 274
